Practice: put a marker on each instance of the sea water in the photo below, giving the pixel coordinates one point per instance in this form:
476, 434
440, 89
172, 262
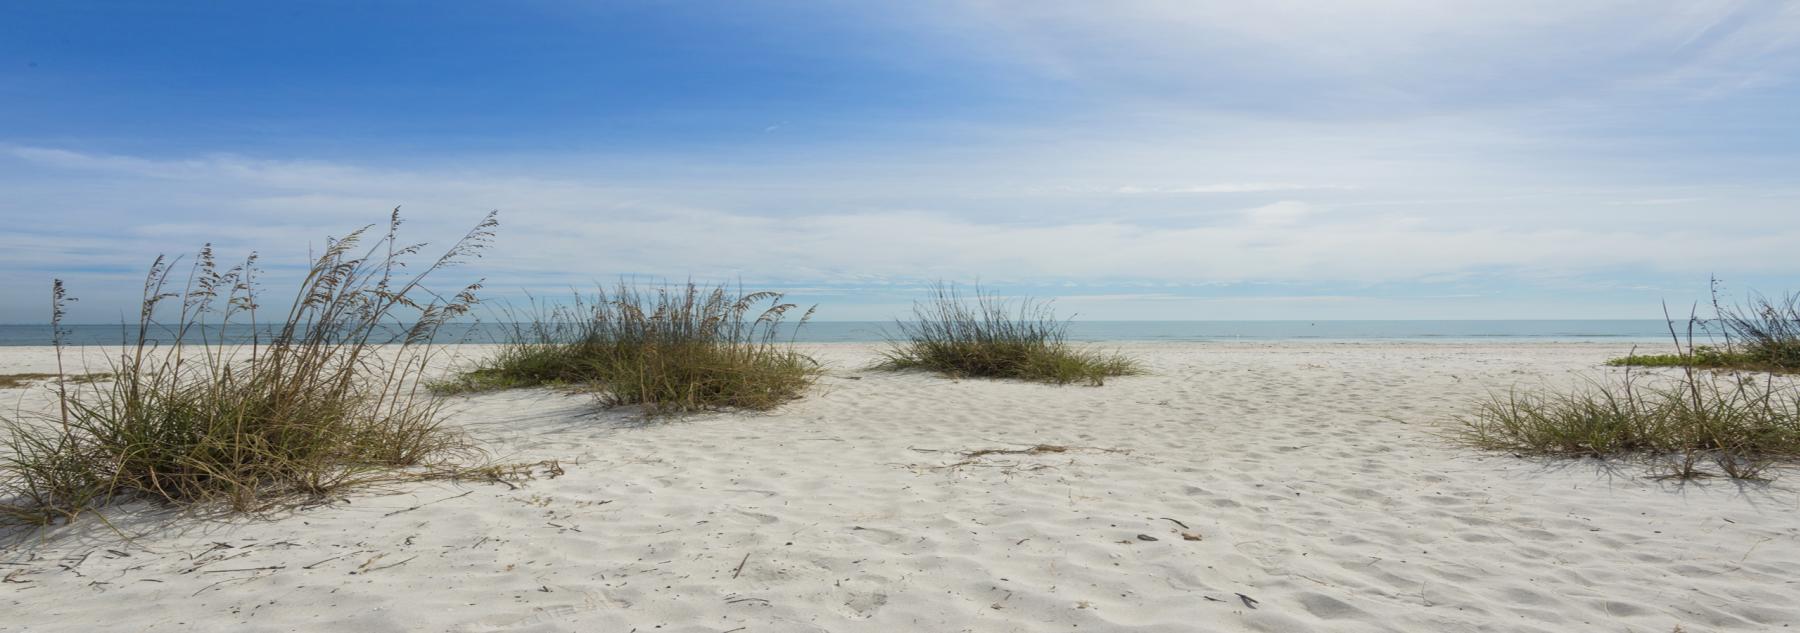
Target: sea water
1633, 331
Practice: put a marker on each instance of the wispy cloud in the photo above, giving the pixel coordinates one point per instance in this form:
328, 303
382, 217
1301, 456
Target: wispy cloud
1395, 51
1228, 187
570, 232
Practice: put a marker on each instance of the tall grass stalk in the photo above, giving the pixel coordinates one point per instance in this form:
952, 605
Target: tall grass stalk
669, 349
988, 337
330, 401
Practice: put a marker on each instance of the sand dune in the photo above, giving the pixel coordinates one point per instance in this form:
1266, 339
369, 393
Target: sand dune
1239, 487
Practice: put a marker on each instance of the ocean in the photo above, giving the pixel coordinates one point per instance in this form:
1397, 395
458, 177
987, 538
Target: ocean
1632, 331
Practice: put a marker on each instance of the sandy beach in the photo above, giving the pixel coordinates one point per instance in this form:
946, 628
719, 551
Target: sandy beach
959, 316
1237, 487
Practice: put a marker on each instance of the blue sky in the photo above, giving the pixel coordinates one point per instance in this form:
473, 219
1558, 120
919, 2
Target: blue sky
1154, 160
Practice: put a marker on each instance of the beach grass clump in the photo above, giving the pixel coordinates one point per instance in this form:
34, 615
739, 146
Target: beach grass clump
1699, 356
669, 349
988, 337
1760, 334
330, 400
1740, 424
14, 381
1766, 330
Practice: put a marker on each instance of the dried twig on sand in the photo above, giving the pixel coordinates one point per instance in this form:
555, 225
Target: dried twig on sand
976, 457
428, 503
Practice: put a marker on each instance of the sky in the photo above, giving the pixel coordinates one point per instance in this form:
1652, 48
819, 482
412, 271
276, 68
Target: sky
1363, 159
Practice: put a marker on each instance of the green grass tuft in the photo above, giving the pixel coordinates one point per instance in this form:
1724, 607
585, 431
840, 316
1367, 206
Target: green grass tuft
1741, 424
1703, 357
1761, 334
670, 350
987, 338
14, 381
320, 407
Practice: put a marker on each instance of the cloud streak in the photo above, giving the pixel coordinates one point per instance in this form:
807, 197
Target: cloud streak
570, 232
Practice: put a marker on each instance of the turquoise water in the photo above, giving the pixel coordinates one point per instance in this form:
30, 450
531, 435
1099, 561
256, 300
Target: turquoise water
1647, 331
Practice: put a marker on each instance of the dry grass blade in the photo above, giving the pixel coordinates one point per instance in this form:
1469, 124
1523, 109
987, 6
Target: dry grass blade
980, 457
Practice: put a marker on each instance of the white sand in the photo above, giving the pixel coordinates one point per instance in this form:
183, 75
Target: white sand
1311, 473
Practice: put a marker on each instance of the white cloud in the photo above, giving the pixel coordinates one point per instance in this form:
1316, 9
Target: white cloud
1224, 187
1284, 213
1392, 50
558, 232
